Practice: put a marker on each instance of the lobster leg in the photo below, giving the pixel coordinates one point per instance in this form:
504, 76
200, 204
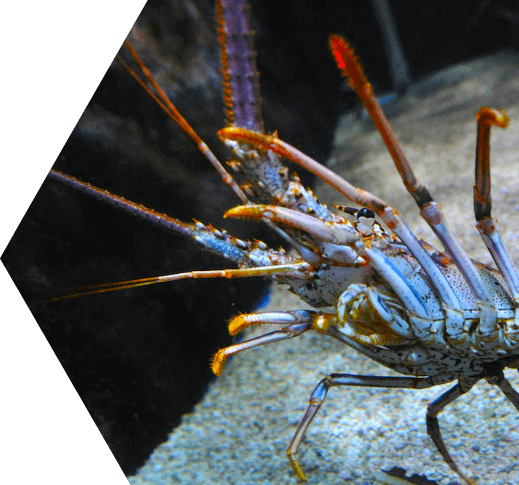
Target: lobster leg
359, 196
451, 305
429, 209
285, 333
299, 321
486, 224
333, 380
511, 394
241, 322
433, 428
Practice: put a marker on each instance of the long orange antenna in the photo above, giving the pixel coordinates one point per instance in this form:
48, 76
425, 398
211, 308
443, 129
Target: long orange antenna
218, 273
169, 108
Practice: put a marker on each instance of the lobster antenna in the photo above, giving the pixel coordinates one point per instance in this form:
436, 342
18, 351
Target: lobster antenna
217, 273
238, 59
171, 224
169, 108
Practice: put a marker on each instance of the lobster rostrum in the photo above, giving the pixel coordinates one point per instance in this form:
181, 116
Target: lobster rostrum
434, 316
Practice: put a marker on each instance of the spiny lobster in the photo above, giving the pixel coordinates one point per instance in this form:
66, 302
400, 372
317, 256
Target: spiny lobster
423, 327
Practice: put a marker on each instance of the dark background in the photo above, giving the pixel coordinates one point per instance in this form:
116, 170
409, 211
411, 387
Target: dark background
140, 358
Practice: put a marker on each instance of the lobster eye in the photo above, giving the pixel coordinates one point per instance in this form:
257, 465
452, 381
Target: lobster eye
367, 213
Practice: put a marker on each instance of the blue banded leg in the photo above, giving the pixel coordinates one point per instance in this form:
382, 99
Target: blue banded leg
333, 380
511, 394
485, 223
433, 427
